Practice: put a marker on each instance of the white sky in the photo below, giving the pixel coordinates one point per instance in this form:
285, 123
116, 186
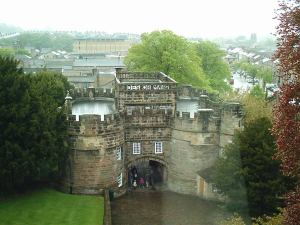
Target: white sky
190, 18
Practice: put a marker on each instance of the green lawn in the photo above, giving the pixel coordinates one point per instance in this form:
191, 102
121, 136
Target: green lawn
50, 207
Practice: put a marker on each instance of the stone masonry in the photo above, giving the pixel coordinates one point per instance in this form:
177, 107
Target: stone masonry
182, 128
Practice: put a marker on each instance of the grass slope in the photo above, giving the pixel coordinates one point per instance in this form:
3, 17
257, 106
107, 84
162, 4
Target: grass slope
49, 207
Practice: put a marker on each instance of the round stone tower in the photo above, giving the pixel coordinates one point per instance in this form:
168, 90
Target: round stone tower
96, 159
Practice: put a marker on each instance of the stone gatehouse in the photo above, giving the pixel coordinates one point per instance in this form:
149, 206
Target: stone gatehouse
146, 118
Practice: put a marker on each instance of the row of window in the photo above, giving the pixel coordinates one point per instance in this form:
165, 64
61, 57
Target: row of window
136, 148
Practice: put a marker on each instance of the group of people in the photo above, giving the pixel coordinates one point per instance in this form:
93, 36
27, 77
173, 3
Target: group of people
136, 180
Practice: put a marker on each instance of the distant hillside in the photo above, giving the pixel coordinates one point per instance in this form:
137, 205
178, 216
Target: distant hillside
39, 40
5, 28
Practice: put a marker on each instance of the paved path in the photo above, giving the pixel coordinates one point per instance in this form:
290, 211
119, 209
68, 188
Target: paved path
164, 208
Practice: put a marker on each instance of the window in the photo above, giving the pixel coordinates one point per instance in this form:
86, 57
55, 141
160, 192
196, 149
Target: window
136, 148
119, 153
158, 147
119, 180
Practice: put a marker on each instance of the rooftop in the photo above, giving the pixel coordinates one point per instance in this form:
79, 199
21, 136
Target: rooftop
125, 77
105, 62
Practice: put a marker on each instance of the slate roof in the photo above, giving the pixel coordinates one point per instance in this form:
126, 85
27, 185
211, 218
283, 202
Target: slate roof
106, 62
81, 79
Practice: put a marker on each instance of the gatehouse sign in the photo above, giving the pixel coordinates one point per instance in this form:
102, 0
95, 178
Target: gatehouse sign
146, 87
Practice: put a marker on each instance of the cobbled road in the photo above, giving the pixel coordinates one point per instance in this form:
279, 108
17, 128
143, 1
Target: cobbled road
164, 208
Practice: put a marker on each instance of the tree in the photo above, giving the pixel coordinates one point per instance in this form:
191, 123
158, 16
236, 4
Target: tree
7, 52
257, 92
59, 41
10, 52
33, 132
213, 65
256, 107
248, 172
253, 71
276, 219
165, 51
48, 128
286, 128
233, 220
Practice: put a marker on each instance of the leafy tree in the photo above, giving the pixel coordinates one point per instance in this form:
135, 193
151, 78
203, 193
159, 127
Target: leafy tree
254, 71
33, 132
165, 51
59, 41
276, 219
256, 107
265, 73
47, 92
213, 65
233, 220
10, 52
21, 52
286, 123
7, 52
248, 172
257, 92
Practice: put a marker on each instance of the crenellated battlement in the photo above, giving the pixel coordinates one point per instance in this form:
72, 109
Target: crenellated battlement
92, 118
90, 125
126, 76
232, 108
188, 91
91, 93
202, 121
197, 115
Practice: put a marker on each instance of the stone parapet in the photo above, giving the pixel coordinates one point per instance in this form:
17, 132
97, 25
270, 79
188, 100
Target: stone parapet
126, 76
187, 91
91, 93
202, 121
94, 124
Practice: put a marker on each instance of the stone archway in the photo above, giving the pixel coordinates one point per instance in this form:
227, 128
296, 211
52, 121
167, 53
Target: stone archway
153, 170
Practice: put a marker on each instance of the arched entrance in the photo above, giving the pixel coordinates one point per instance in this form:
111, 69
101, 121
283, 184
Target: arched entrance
153, 171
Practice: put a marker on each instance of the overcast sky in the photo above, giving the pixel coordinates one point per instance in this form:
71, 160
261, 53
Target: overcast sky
189, 18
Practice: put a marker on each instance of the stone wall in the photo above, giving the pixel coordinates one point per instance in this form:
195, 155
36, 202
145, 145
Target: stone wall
146, 105
201, 122
137, 90
189, 153
196, 141
231, 122
94, 162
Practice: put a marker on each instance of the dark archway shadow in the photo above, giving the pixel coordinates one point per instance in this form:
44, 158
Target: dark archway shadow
152, 172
